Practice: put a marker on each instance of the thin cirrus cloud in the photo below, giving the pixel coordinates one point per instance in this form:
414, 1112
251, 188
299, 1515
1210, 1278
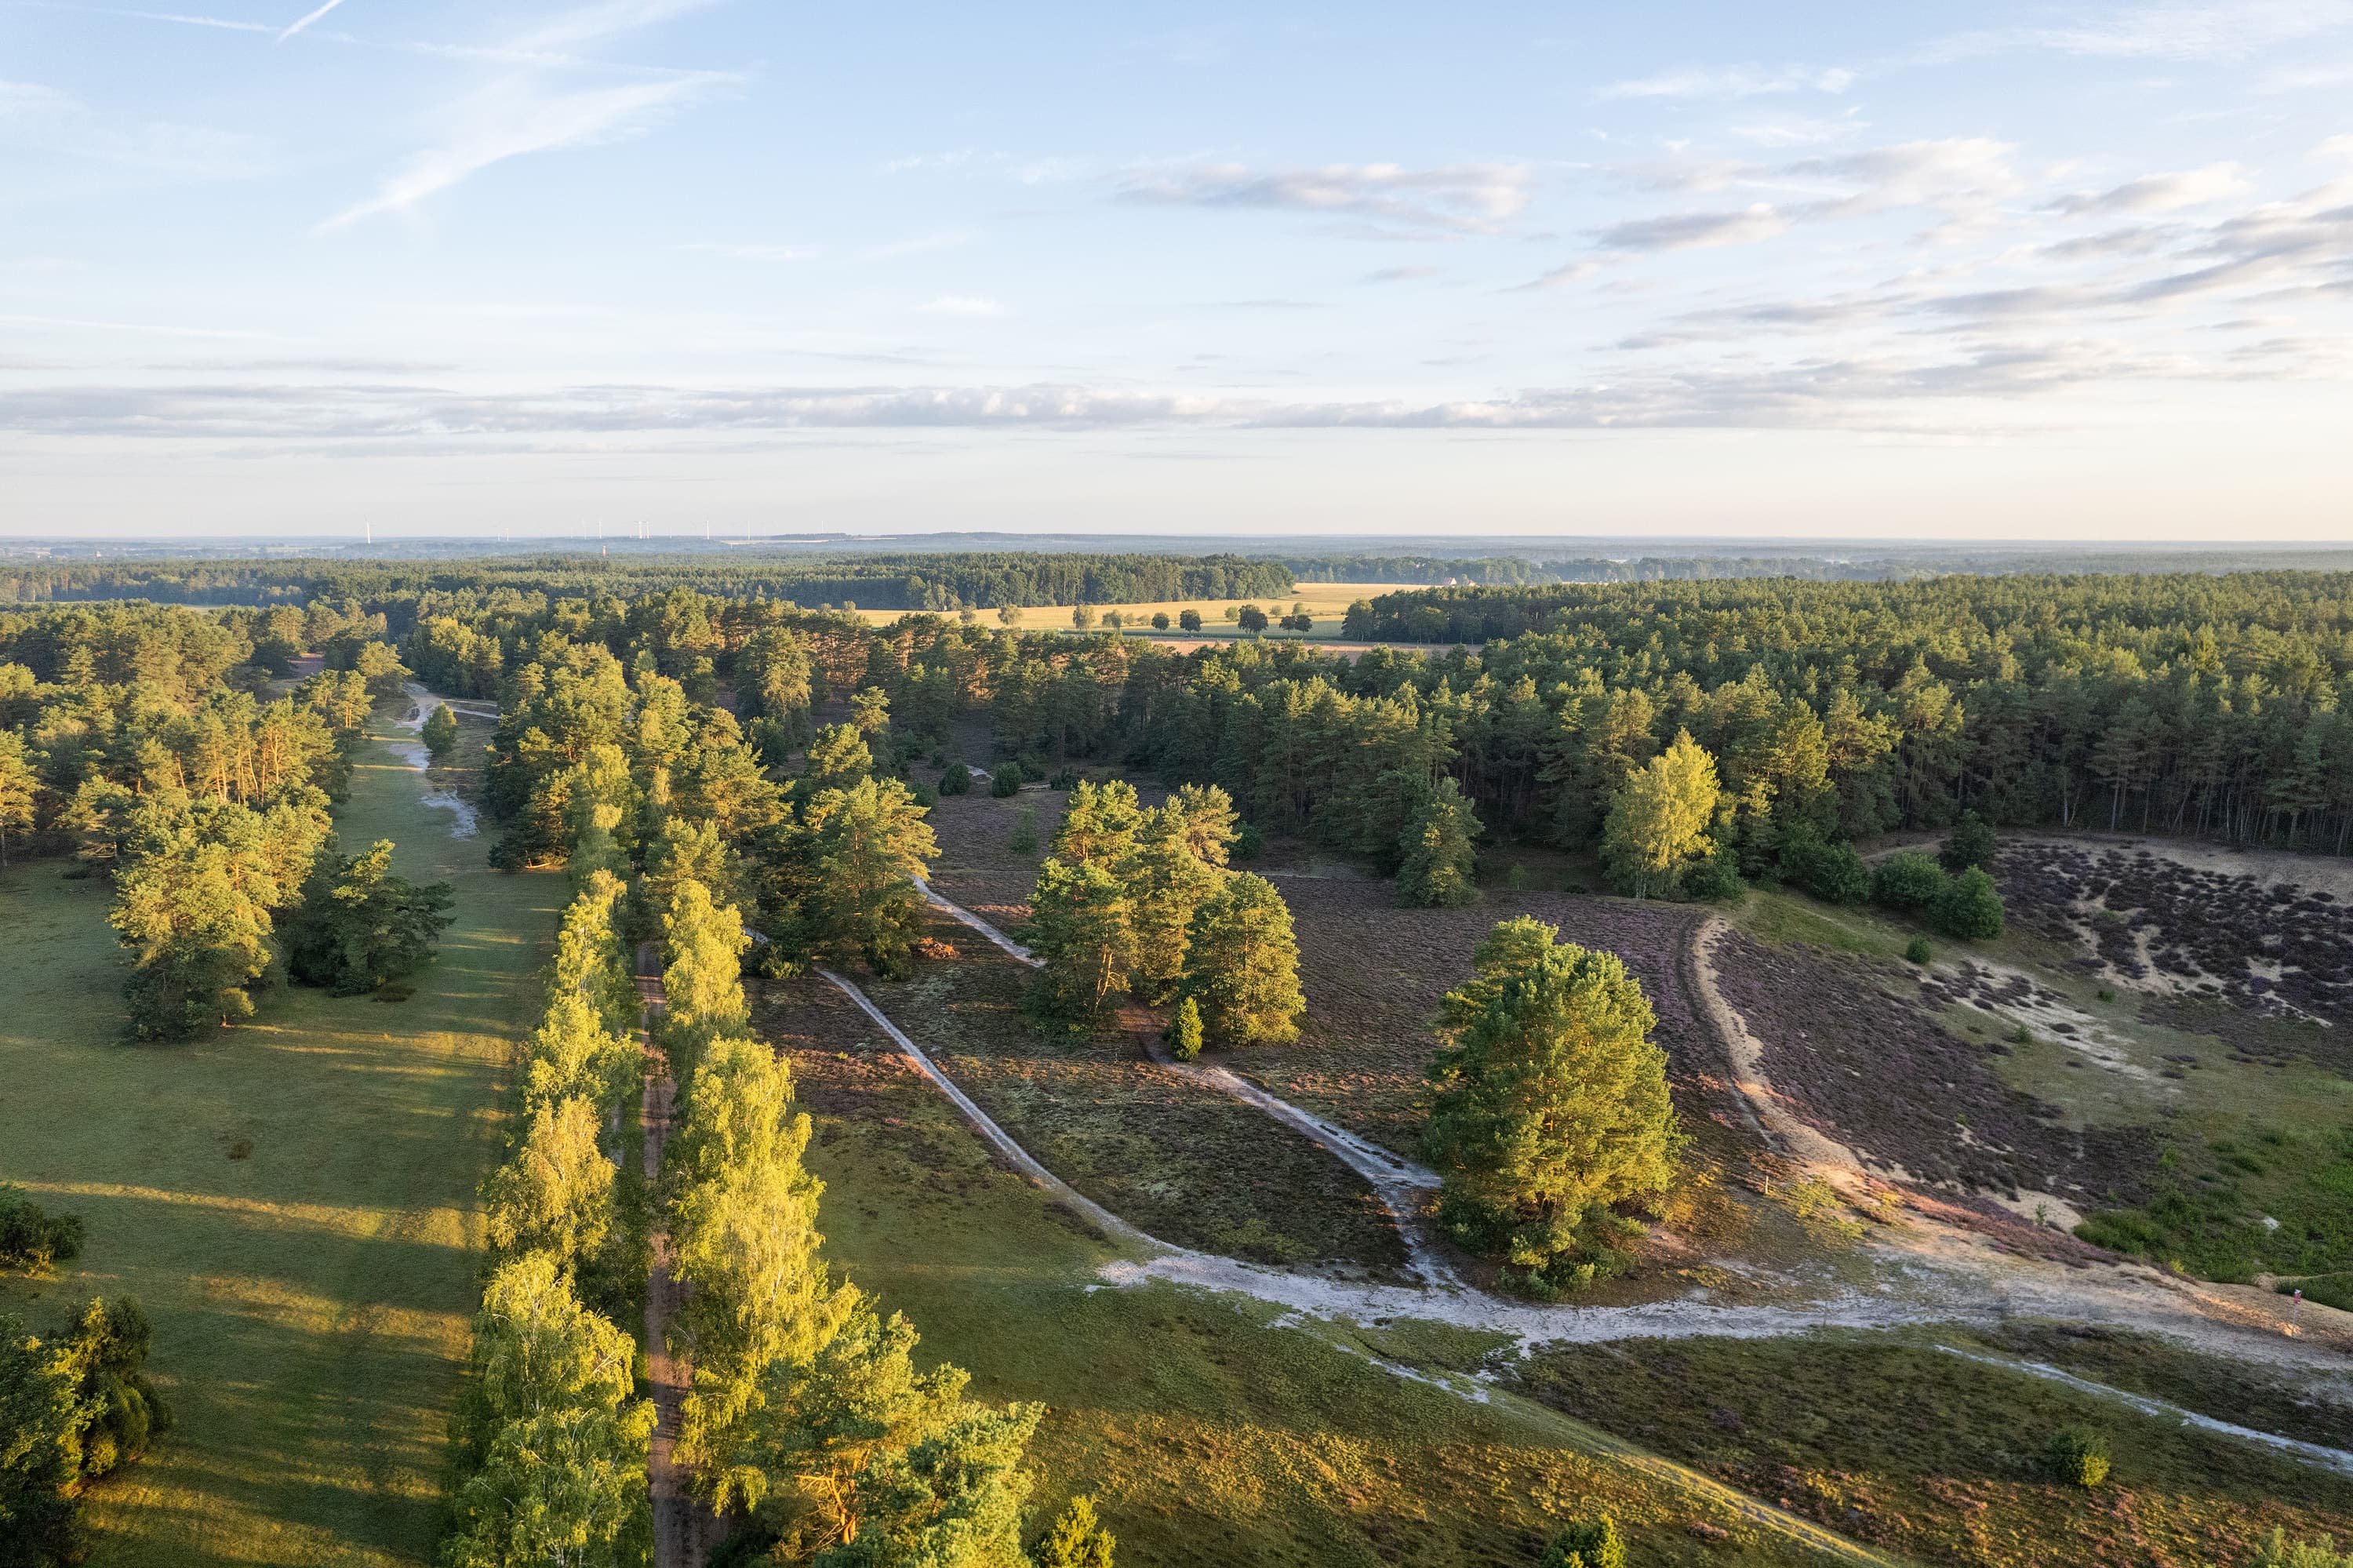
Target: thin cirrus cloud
1693, 230
303, 23
964, 305
522, 111
1455, 199
2230, 31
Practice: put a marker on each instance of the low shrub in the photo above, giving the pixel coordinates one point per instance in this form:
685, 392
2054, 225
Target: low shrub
1918, 951
1907, 880
1005, 781
2277, 1551
1832, 871
1249, 842
956, 779
1969, 908
1065, 779
33, 1239
1025, 834
1587, 1544
2078, 1456
1969, 844
1716, 880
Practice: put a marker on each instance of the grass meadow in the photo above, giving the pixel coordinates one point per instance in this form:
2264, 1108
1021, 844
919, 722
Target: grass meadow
1327, 602
292, 1201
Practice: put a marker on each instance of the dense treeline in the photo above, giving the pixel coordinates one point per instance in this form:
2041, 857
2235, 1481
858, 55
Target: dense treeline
1494, 571
2212, 705
945, 581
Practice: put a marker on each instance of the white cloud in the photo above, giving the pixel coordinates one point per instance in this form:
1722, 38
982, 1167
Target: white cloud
2158, 193
1734, 81
58, 124
1469, 198
1693, 230
2234, 31
754, 252
946, 240
964, 305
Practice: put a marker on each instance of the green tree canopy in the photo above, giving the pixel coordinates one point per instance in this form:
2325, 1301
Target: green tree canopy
1082, 925
1549, 1111
743, 1222
1099, 825
362, 926
1242, 964
554, 1193
1439, 867
703, 983
867, 844
1659, 822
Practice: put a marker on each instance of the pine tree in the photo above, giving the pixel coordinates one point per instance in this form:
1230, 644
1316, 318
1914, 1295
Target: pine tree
439, 732
1209, 829
1185, 1031
837, 759
1659, 822
1167, 883
867, 844
743, 1220
1242, 964
1081, 925
1550, 1109
1099, 824
1438, 869
361, 926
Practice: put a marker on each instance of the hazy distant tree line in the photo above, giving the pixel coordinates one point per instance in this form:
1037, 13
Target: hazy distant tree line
407, 590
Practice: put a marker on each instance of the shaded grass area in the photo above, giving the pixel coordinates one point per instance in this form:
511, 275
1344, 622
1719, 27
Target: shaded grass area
2142, 1363
1899, 1444
2218, 1193
1190, 1165
1204, 1433
294, 1202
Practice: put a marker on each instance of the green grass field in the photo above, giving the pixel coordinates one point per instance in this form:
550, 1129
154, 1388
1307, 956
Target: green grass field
294, 1202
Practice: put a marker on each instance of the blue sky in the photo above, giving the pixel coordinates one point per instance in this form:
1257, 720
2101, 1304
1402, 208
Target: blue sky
2004, 271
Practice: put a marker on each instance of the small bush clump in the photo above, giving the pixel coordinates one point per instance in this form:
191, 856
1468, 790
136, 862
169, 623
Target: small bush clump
1907, 880
31, 1238
1918, 951
956, 780
1005, 781
2078, 1456
1587, 1544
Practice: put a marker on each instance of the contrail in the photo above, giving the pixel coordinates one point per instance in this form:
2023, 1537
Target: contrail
306, 21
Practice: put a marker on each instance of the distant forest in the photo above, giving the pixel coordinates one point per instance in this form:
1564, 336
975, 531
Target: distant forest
933, 582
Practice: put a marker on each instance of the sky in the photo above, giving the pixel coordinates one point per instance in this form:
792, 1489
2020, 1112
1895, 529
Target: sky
2047, 271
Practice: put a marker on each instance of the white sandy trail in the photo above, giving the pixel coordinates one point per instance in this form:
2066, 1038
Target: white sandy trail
1023, 1160
463, 822
1399, 1184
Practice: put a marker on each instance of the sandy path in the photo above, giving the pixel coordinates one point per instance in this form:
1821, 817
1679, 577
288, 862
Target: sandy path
685, 1530
463, 822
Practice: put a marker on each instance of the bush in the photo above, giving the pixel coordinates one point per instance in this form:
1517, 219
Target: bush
1832, 871
1005, 781
1969, 908
1716, 879
1065, 779
956, 779
2078, 1456
31, 1238
1907, 880
1025, 834
1918, 951
439, 732
1587, 1544
1970, 843
926, 797
2277, 1551
1248, 842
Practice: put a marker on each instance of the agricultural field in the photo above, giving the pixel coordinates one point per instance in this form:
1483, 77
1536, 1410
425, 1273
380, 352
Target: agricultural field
293, 1203
1327, 602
